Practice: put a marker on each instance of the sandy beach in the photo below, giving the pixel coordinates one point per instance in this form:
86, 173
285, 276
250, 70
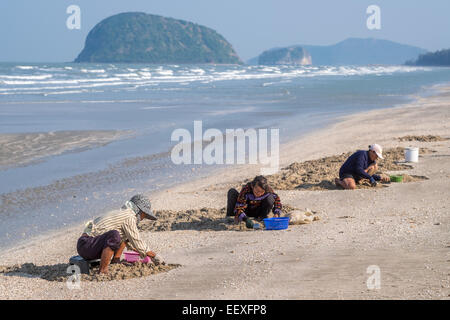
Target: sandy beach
402, 228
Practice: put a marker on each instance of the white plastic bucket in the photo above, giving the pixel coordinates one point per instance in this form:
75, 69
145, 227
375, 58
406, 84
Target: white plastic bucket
412, 154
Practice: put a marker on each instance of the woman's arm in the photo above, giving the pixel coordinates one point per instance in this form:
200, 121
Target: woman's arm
277, 206
241, 203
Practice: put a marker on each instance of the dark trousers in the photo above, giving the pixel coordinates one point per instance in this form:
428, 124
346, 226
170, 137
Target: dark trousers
260, 212
90, 248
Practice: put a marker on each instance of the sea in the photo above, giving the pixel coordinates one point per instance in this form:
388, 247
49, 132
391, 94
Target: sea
152, 101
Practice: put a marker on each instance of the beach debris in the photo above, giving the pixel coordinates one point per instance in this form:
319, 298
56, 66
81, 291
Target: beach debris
423, 138
301, 217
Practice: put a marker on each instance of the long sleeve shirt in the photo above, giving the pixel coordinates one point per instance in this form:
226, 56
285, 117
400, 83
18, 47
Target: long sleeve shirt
356, 164
125, 222
247, 200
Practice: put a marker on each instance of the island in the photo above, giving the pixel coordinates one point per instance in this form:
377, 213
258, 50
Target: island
135, 37
438, 58
290, 55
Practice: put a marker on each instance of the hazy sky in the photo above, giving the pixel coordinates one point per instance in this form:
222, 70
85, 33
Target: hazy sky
35, 30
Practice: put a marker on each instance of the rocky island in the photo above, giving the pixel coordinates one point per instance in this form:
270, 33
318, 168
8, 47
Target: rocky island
290, 55
140, 37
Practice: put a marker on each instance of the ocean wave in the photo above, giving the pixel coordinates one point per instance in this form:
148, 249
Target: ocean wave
123, 79
26, 77
25, 67
145, 74
93, 85
92, 70
127, 75
73, 81
165, 72
198, 71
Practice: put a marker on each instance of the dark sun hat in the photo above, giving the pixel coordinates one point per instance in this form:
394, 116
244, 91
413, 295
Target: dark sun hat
143, 203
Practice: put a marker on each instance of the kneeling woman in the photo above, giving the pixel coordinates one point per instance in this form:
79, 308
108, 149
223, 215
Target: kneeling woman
256, 199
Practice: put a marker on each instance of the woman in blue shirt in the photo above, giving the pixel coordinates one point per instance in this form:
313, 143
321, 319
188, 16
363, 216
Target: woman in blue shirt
360, 165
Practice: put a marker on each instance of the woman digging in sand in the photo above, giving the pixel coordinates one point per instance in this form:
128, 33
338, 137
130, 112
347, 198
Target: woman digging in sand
105, 237
361, 165
256, 199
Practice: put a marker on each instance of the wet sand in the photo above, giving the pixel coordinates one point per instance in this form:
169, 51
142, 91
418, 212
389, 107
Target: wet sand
402, 228
25, 148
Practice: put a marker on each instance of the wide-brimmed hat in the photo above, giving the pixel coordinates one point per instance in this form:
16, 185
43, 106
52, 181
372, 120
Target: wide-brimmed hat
144, 204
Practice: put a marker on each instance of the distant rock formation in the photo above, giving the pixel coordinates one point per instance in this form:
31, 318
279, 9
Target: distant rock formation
141, 37
290, 55
438, 58
357, 51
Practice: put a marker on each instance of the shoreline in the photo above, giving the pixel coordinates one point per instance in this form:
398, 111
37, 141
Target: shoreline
396, 228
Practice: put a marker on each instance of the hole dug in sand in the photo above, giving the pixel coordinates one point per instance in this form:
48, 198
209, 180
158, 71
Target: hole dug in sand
58, 272
320, 174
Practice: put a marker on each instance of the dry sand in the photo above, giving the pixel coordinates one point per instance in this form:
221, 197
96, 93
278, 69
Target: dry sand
403, 229
25, 148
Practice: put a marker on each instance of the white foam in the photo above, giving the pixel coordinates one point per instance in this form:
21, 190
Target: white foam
198, 71
142, 78
165, 72
30, 77
127, 75
25, 67
145, 74
92, 70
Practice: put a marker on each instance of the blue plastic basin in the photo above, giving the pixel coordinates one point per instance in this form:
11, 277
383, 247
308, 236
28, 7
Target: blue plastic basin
276, 223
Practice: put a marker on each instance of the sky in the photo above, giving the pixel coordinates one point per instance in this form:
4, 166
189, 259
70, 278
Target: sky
36, 31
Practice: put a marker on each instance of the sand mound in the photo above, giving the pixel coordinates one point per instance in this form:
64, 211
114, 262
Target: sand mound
320, 174
428, 138
205, 219
58, 272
